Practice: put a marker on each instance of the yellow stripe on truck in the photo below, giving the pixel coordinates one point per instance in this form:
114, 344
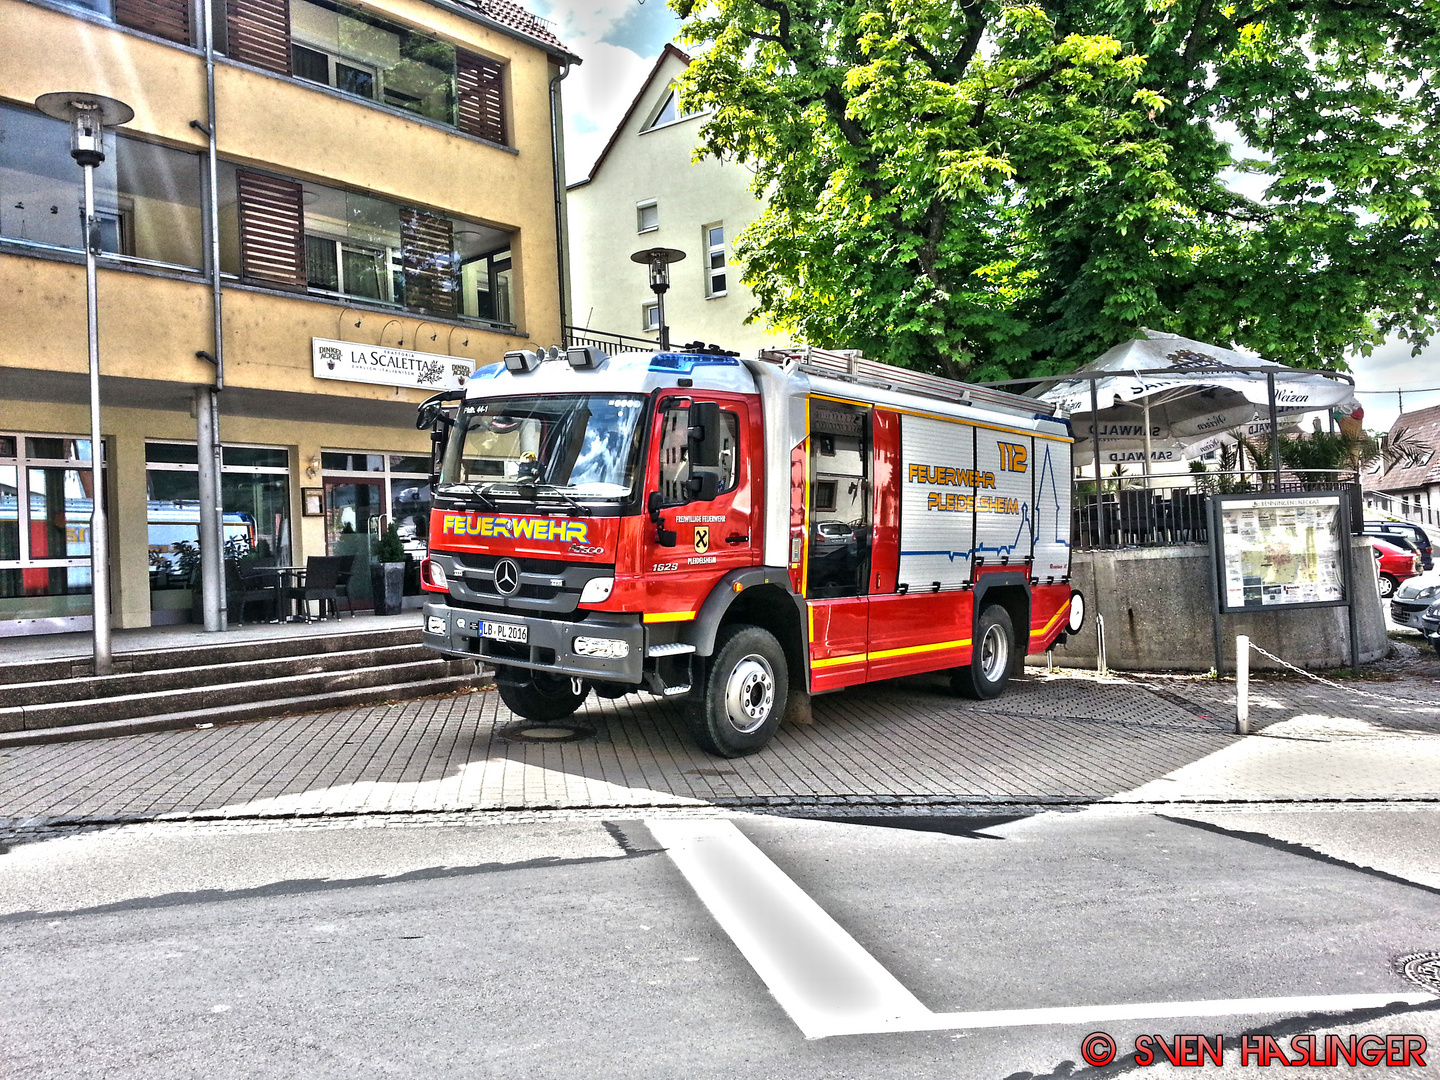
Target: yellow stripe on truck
669, 616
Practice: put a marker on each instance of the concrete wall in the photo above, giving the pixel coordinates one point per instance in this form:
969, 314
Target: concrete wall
1157, 603
657, 164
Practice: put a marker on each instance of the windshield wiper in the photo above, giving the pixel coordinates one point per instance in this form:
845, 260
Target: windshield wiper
477, 491
555, 489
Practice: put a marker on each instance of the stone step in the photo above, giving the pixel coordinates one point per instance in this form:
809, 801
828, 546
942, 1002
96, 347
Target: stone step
225, 696
250, 711
220, 652
90, 687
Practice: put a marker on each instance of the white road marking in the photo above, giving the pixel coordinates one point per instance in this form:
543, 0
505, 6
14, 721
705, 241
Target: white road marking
830, 985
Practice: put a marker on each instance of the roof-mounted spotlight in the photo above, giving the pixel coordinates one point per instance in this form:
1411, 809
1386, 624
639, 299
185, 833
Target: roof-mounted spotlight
522, 361
553, 353
585, 357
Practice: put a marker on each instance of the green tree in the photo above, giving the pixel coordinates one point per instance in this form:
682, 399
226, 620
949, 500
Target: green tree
1005, 189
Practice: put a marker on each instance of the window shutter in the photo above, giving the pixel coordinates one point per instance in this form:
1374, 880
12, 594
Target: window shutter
478, 85
258, 33
427, 249
272, 231
168, 19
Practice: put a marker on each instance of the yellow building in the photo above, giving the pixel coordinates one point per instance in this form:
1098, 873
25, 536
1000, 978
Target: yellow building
388, 217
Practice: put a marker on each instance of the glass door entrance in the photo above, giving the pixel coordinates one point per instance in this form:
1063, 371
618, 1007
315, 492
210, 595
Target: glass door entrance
364, 493
354, 518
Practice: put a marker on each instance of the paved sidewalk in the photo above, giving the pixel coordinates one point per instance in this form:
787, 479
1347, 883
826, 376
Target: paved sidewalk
1061, 737
188, 635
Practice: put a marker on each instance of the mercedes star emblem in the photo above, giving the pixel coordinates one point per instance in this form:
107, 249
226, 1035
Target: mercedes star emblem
507, 577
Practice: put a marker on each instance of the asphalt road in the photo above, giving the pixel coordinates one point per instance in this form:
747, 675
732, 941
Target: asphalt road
576, 948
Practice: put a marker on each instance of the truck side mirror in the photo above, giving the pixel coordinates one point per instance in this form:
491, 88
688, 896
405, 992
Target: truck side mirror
705, 435
702, 486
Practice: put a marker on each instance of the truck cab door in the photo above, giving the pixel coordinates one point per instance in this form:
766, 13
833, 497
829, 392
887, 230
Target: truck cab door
697, 537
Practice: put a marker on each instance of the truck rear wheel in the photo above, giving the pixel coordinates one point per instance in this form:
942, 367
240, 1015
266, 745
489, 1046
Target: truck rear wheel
993, 656
738, 705
538, 695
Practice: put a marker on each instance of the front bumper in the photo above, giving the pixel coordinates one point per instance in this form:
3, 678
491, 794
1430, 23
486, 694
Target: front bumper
549, 646
1409, 613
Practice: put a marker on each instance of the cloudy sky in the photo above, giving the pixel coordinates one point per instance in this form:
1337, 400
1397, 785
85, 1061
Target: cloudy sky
619, 40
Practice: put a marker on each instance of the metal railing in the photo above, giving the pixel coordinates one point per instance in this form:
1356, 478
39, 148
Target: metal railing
607, 342
1161, 510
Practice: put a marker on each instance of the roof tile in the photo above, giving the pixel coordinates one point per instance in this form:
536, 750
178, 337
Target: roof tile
516, 18
1422, 425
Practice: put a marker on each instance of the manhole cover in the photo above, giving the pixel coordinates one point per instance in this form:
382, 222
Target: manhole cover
546, 733
1423, 969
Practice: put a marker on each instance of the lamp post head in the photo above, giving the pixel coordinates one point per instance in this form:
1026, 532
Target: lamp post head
658, 261
88, 116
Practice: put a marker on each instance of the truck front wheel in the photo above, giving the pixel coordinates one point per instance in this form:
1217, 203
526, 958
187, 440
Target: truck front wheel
538, 695
742, 695
992, 657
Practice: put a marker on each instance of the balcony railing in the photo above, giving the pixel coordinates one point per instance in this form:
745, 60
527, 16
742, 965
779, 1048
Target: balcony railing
1157, 511
607, 342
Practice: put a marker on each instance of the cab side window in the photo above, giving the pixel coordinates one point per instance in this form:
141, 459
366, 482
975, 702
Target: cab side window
675, 455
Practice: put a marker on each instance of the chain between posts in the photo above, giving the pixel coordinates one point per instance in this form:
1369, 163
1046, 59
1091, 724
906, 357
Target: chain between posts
1337, 686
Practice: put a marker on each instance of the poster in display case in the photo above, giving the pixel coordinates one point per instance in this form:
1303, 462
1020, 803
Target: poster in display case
1281, 551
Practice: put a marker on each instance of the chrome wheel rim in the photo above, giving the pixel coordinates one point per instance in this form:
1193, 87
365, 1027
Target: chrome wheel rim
749, 693
994, 653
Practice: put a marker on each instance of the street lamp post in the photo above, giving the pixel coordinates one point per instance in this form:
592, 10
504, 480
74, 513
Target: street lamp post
89, 115
658, 260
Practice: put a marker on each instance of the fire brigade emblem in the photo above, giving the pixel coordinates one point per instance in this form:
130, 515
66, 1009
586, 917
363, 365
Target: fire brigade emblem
702, 539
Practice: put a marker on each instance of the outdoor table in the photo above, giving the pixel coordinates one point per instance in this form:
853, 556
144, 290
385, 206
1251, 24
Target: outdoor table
280, 574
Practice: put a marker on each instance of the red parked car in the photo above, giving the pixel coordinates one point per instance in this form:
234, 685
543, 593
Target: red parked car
1394, 564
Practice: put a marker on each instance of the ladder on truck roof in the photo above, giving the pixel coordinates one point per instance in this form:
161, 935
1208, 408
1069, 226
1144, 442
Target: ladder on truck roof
850, 366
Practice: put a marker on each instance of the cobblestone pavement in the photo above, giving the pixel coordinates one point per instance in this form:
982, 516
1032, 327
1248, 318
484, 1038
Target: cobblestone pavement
1053, 737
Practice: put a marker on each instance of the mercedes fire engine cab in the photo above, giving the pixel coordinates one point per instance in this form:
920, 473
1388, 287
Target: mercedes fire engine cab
742, 533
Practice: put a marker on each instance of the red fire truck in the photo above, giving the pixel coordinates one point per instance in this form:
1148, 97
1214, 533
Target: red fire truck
742, 533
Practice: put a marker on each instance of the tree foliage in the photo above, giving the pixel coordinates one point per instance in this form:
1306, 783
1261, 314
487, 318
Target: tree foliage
1002, 189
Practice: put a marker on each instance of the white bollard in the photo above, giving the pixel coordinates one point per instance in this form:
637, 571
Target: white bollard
1100, 665
1242, 685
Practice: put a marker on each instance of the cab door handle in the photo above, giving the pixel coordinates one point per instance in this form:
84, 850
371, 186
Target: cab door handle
736, 538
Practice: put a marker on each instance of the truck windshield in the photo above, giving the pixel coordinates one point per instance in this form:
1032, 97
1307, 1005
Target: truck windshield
586, 445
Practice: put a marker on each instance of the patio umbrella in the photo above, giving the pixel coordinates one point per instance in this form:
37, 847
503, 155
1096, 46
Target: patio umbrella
1192, 400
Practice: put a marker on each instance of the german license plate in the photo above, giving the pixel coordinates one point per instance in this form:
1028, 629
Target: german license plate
504, 631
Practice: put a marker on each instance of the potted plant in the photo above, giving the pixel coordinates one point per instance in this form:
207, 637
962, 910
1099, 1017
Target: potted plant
387, 573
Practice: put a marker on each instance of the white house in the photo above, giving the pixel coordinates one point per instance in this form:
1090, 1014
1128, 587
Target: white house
645, 191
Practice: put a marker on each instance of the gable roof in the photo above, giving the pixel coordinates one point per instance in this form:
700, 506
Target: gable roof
1422, 425
517, 21
668, 51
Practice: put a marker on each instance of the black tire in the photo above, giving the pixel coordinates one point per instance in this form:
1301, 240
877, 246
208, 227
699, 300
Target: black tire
994, 655
612, 690
538, 695
1388, 585
742, 694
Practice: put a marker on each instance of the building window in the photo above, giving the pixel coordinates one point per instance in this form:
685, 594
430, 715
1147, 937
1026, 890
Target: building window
46, 499
168, 19
255, 504
147, 197
715, 261
288, 234
364, 492
647, 216
669, 111
650, 316
355, 52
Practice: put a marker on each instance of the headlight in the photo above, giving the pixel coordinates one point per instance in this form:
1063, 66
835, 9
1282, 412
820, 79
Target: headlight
1433, 611
1426, 594
596, 590
435, 575
609, 648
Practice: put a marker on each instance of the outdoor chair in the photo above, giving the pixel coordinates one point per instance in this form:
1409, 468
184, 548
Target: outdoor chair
248, 582
342, 582
321, 582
